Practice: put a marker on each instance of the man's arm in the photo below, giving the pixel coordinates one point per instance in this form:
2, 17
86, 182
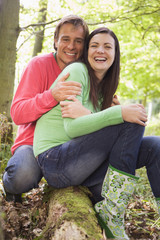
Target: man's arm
63, 90
33, 99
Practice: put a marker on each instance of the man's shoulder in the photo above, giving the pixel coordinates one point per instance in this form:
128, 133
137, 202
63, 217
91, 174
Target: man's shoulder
43, 58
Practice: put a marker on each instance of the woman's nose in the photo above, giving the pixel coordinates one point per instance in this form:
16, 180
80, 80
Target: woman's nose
100, 50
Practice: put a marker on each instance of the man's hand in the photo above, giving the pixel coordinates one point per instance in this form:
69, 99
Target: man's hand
63, 90
115, 101
73, 109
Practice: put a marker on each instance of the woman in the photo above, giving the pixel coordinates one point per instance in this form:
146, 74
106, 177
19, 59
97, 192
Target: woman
80, 151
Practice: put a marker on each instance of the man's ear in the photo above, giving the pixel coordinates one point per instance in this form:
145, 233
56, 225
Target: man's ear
55, 43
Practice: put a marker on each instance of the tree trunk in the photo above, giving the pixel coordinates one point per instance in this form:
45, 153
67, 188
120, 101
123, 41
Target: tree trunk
9, 30
40, 30
71, 216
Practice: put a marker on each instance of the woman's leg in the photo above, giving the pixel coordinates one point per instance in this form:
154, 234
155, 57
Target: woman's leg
117, 190
72, 163
77, 161
119, 183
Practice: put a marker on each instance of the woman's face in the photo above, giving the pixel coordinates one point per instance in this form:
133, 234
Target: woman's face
101, 53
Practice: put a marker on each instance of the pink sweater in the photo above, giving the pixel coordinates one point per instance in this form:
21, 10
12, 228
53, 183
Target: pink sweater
33, 97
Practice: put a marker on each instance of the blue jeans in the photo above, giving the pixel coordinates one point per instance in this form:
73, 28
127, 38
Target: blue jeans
24, 164
22, 172
84, 160
149, 157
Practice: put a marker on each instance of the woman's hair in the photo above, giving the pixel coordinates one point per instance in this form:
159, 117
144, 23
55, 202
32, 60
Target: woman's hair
108, 86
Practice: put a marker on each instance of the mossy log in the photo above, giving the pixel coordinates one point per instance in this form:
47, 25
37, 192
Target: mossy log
71, 215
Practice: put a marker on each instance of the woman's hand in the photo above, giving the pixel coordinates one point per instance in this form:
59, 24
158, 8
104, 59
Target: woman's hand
73, 109
134, 113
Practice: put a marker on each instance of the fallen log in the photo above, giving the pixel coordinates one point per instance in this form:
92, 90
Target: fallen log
71, 216
52, 214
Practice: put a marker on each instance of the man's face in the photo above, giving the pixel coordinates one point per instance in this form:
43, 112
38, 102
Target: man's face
69, 44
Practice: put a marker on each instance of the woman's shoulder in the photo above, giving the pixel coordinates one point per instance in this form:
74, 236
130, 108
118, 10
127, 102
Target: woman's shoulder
76, 66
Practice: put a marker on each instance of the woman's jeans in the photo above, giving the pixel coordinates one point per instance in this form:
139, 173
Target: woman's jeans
84, 160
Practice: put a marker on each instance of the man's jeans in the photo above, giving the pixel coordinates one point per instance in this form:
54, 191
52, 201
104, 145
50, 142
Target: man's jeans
84, 160
22, 172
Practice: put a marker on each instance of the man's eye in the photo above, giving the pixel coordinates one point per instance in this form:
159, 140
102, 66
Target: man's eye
65, 39
79, 41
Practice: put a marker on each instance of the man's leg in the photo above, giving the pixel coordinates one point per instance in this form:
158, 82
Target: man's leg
149, 156
22, 172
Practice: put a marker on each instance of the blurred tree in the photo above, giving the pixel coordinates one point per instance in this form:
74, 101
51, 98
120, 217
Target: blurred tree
9, 31
39, 34
136, 23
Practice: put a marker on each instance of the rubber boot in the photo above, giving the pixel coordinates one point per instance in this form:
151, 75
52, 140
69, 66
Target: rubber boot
117, 190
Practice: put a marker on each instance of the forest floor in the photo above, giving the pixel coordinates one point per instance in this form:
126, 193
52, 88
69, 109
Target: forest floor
27, 220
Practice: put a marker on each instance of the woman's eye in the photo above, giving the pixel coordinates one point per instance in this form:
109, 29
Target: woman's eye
108, 47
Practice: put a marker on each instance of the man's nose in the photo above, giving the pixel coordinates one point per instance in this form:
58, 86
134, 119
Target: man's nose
71, 45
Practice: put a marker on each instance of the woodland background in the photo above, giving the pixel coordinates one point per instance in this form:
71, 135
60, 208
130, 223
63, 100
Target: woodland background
26, 30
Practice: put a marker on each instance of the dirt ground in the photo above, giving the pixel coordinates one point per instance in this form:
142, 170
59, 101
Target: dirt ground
27, 220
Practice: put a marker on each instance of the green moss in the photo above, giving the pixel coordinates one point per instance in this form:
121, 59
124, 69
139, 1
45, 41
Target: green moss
79, 209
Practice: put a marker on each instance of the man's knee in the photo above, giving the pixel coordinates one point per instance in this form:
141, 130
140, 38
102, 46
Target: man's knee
22, 172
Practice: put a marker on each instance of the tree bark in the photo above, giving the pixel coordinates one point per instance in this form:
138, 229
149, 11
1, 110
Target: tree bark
9, 30
71, 216
39, 36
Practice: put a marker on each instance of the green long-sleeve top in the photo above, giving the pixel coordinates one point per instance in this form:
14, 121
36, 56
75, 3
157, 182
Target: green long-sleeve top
53, 130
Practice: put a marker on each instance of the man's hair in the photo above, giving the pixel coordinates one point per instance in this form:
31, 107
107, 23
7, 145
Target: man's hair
76, 21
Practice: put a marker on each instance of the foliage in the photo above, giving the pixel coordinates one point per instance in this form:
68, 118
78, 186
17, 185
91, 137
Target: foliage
5, 152
136, 23
5, 155
153, 127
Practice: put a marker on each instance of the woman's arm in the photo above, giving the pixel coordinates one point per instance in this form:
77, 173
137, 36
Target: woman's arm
93, 122
74, 108
90, 122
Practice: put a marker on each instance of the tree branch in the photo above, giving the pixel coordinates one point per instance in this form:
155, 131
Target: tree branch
38, 24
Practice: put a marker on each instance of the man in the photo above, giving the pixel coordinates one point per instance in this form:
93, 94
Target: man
33, 98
